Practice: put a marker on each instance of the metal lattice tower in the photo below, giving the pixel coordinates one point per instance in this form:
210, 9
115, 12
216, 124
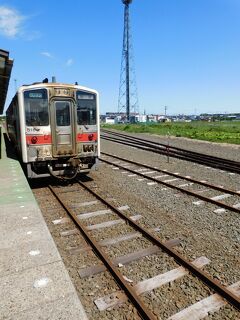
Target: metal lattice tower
128, 97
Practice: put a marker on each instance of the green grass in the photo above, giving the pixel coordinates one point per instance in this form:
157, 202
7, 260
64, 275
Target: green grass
224, 131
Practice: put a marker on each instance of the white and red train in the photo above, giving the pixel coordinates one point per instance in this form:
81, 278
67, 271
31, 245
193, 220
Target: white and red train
55, 128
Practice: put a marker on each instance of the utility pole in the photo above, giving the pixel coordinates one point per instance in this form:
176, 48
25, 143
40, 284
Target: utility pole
165, 108
128, 99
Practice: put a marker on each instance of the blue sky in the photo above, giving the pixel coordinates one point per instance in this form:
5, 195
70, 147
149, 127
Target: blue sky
187, 53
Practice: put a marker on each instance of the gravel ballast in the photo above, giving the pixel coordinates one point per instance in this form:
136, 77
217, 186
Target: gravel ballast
202, 232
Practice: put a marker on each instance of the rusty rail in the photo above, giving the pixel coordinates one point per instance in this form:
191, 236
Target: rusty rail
183, 154
191, 193
143, 311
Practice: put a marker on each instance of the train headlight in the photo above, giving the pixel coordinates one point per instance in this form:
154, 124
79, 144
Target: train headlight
34, 140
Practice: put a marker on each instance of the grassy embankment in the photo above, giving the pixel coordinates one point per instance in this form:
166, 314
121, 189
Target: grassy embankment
225, 131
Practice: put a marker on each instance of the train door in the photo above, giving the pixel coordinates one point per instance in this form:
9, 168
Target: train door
63, 127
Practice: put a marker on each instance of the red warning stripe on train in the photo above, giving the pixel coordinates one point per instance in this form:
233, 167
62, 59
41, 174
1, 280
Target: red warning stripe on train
47, 139
87, 137
39, 139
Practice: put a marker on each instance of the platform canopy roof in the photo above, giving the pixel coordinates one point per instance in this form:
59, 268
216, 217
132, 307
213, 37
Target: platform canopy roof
5, 74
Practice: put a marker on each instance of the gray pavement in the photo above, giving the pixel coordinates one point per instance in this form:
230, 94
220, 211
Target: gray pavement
34, 283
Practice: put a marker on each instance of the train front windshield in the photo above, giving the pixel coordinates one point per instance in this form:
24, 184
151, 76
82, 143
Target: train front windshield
36, 107
86, 108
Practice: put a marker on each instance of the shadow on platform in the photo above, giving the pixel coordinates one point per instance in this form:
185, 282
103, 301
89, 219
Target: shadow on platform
10, 151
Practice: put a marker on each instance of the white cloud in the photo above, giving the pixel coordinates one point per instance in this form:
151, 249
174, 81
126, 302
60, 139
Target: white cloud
47, 54
10, 22
69, 62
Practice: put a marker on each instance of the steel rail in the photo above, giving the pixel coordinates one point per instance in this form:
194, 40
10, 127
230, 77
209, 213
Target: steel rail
231, 162
191, 193
209, 281
144, 312
205, 184
158, 150
179, 151
184, 154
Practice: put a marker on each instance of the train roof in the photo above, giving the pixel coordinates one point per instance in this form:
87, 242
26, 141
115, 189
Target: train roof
5, 74
36, 85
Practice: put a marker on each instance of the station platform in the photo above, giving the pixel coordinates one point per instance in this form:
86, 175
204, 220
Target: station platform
34, 283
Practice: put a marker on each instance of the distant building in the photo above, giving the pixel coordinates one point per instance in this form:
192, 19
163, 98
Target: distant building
111, 120
141, 118
152, 118
115, 117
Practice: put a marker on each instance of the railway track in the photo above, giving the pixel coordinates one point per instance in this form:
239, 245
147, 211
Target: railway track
168, 179
110, 217
170, 151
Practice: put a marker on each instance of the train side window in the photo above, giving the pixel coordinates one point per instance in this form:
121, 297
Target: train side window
36, 107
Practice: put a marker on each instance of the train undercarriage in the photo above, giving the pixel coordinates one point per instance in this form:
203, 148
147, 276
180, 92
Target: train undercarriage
64, 168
